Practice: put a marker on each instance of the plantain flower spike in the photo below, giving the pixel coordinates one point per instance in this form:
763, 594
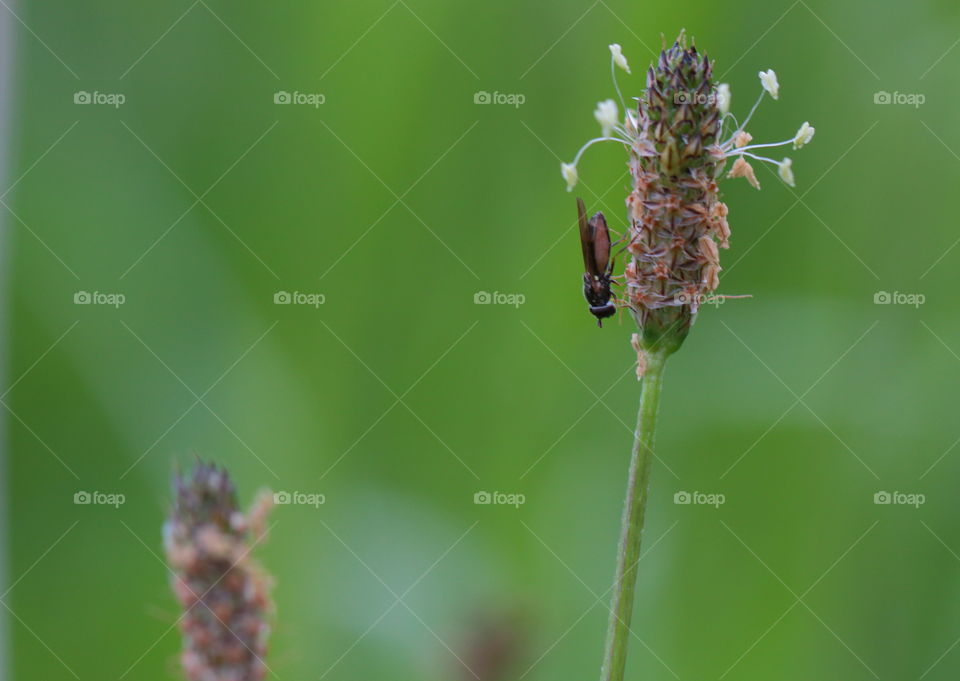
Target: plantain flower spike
679, 140
225, 596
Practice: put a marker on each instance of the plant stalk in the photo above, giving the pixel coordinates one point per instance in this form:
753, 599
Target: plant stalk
631, 524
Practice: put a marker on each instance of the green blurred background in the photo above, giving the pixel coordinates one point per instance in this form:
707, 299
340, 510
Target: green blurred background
398, 199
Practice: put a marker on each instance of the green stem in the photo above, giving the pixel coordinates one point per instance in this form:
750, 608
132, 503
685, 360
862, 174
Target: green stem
631, 528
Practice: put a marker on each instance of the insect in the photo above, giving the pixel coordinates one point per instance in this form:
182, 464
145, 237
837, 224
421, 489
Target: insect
595, 243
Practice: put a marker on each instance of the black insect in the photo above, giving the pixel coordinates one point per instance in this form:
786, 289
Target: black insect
595, 242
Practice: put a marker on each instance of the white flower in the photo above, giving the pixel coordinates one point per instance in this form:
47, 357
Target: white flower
769, 81
723, 98
618, 57
786, 171
569, 172
804, 135
606, 114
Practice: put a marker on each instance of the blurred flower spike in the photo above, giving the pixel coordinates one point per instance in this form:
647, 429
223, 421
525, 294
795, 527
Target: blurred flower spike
224, 595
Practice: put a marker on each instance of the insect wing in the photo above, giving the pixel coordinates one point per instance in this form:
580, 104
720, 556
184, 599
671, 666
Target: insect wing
601, 243
586, 240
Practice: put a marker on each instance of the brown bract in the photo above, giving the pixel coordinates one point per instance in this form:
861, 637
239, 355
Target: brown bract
743, 169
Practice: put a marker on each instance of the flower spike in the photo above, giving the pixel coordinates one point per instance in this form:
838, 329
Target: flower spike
224, 594
679, 147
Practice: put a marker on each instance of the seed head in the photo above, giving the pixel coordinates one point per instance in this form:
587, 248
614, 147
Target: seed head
224, 594
678, 142
676, 217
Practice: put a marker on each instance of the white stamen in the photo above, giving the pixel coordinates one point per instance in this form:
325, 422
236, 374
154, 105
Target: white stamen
786, 171
761, 146
606, 114
569, 172
741, 152
769, 81
723, 98
576, 159
804, 135
618, 57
